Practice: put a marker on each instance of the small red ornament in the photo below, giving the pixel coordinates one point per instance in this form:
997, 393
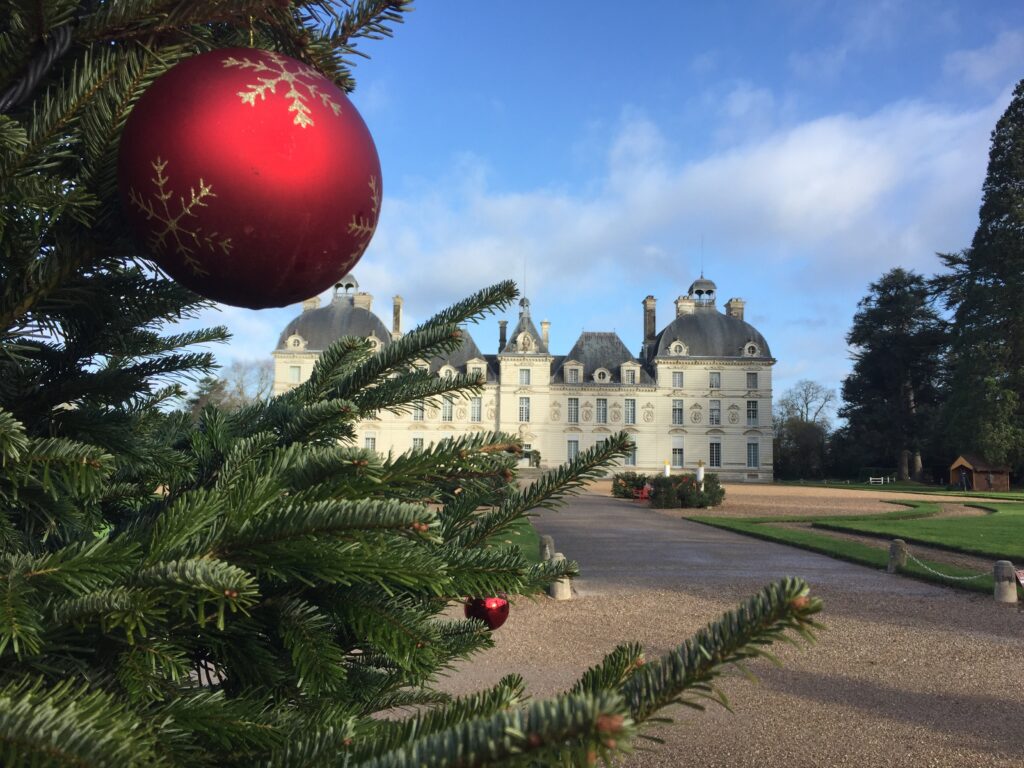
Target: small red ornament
492, 611
250, 176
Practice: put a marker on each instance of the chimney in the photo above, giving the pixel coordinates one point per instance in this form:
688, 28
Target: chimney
649, 325
684, 306
363, 300
396, 318
545, 327
734, 308
502, 333
311, 303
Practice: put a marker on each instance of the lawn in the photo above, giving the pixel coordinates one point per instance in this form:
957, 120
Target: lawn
908, 486
523, 535
999, 535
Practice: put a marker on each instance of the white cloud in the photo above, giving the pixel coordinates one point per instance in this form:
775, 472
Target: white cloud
991, 65
814, 211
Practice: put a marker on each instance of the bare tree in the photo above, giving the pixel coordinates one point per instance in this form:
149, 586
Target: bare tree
246, 381
807, 401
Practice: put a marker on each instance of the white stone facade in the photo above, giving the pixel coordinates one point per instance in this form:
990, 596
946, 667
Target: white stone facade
680, 408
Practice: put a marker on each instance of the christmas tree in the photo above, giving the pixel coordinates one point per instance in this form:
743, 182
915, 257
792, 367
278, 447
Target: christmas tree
245, 587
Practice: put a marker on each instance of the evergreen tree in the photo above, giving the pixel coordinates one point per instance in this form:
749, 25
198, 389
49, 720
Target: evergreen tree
890, 397
247, 588
984, 288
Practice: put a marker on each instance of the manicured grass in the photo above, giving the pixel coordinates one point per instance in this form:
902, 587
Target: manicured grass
523, 535
999, 535
851, 551
907, 486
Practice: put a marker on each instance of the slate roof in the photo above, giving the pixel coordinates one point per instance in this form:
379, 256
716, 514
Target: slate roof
460, 358
599, 349
710, 333
322, 327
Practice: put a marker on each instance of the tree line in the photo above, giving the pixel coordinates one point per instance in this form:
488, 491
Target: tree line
938, 362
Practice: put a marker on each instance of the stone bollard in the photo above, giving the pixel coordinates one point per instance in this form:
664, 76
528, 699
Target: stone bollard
897, 556
561, 589
547, 548
1006, 582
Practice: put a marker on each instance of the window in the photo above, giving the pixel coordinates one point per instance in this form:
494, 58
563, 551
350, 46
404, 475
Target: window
715, 413
574, 410
294, 373
677, 452
677, 411
752, 455
446, 409
370, 442
417, 412
601, 376
752, 380
572, 449
630, 410
715, 454
630, 459
715, 380
602, 410
677, 379
751, 413
475, 409
477, 371
524, 376
524, 409
574, 375
417, 443
631, 376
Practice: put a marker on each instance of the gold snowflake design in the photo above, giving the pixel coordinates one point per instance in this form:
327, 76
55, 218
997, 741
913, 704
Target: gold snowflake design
303, 85
363, 227
161, 207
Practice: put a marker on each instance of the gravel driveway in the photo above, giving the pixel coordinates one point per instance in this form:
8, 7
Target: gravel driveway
907, 674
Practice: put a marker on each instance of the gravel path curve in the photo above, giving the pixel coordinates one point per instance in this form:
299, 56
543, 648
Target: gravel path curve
907, 674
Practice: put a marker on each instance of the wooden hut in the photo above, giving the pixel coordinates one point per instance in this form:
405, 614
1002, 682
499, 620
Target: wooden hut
979, 475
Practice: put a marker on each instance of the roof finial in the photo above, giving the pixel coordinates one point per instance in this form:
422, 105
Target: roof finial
701, 255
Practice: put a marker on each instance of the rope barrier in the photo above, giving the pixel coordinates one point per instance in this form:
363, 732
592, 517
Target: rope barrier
945, 575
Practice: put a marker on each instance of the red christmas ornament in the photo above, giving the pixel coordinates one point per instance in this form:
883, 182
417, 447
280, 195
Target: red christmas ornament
492, 611
250, 176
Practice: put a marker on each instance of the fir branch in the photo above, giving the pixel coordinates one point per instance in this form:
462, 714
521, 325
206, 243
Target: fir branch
388, 735
738, 635
69, 724
545, 493
591, 724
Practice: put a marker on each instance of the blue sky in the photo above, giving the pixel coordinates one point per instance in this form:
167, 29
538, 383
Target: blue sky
811, 145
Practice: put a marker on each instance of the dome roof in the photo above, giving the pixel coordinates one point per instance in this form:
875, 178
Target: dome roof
710, 334
320, 328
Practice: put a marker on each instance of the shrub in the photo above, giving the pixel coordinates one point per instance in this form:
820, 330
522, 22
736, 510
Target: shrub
624, 483
690, 495
665, 492
683, 491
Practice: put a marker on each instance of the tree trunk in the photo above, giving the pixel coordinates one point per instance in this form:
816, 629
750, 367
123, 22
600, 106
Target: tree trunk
917, 467
902, 465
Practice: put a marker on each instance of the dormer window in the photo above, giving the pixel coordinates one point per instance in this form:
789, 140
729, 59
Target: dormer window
446, 372
751, 350
374, 343
602, 376
296, 342
677, 348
